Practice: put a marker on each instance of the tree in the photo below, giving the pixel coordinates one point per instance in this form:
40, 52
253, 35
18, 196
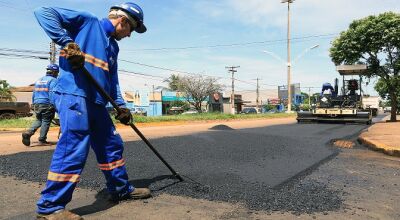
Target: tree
173, 82
197, 88
382, 89
5, 91
375, 41
305, 96
182, 104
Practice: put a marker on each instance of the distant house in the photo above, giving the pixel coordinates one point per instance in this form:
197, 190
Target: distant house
143, 99
23, 94
250, 97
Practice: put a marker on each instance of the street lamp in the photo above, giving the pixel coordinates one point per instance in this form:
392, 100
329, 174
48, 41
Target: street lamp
297, 58
304, 52
289, 109
274, 55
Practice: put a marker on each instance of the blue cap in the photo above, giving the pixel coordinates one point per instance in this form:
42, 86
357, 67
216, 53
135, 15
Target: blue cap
53, 67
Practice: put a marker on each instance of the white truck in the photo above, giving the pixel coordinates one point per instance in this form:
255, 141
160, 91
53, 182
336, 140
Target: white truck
371, 102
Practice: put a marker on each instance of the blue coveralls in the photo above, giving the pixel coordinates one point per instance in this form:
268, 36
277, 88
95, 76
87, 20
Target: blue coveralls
42, 105
83, 117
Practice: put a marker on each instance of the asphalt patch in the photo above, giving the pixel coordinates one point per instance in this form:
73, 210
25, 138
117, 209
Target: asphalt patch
221, 127
232, 166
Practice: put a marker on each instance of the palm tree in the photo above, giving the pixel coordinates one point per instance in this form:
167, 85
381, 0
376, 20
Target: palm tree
173, 82
5, 91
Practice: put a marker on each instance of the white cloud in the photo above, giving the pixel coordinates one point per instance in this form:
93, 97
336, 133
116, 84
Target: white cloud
313, 16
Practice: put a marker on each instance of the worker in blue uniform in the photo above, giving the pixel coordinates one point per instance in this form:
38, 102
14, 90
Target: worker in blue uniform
327, 89
91, 43
42, 106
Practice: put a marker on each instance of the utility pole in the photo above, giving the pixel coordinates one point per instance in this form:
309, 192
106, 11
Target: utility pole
52, 53
154, 103
258, 95
233, 70
153, 94
289, 108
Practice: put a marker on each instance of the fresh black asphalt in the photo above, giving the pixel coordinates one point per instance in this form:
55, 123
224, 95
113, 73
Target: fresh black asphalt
260, 167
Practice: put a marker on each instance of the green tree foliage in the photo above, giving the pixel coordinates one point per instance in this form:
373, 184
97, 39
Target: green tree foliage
305, 95
383, 90
173, 82
375, 41
178, 103
5, 91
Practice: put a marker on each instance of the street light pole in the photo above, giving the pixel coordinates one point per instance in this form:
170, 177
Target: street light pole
289, 108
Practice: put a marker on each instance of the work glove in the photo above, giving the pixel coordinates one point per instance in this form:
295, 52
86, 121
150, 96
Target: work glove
74, 56
124, 116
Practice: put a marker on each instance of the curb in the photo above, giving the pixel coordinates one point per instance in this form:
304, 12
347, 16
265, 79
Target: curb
380, 147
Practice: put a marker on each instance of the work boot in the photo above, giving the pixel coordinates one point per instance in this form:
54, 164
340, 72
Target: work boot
59, 215
138, 193
44, 143
26, 139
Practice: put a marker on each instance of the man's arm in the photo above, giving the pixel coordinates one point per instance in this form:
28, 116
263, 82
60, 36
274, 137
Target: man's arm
115, 88
59, 22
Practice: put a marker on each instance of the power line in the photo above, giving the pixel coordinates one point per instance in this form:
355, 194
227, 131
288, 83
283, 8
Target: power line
15, 53
234, 44
167, 69
269, 84
23, 51
24, 56
130, 73
249, 83
155, 67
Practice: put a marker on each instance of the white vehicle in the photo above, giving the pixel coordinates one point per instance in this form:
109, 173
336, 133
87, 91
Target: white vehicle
190, 111
139, 111
387, 109
371, 102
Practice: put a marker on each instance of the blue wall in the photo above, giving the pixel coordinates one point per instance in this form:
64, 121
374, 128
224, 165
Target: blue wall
154, 109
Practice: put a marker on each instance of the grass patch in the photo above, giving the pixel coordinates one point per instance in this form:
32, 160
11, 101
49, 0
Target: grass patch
27, 122
17, 123
207, 117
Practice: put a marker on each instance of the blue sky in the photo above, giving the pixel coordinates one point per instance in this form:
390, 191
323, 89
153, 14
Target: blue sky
203, 24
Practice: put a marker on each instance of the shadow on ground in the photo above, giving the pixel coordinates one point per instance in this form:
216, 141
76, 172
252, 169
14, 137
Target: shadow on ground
102, 199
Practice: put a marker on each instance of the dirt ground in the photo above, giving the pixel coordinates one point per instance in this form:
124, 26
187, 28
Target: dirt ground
369, 180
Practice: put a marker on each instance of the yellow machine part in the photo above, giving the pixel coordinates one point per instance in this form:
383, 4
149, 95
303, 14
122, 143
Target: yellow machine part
334, 111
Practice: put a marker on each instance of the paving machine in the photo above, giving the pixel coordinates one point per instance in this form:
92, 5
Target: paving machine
346, 107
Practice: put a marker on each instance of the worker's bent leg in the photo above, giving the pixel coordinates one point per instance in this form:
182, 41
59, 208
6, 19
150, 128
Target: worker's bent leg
38, 122
69, 156
108, 146
47, 115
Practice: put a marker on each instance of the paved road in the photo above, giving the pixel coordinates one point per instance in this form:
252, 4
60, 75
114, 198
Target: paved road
261, 168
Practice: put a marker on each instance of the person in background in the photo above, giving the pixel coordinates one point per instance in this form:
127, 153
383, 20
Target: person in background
42, 106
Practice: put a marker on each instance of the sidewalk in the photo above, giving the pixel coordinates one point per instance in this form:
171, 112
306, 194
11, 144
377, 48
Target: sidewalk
383, 136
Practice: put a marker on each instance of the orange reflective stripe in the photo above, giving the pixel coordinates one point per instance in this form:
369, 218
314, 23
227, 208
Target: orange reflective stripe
91, 59
113, 165
57, 177
97, 62
42, 89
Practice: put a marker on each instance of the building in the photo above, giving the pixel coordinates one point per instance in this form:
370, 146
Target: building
23, 94
250, 97
144, 102
227, 105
